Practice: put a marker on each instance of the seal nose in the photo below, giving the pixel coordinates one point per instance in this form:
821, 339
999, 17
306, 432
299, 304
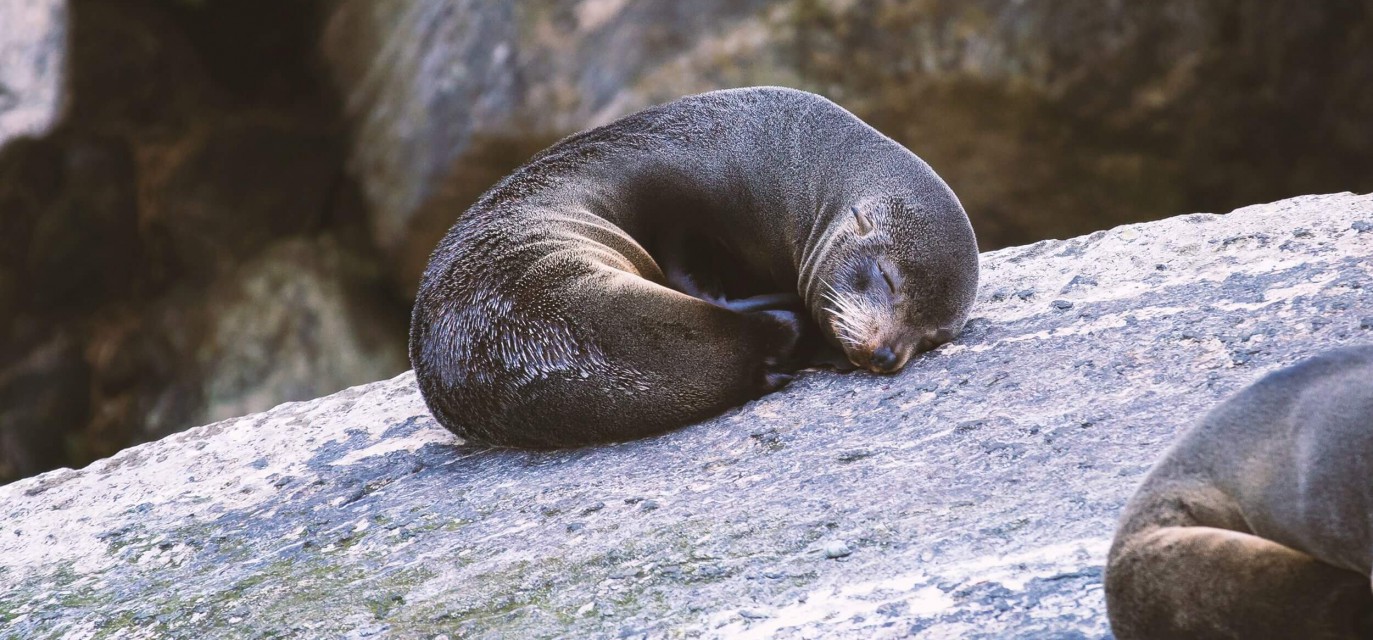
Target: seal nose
884, 359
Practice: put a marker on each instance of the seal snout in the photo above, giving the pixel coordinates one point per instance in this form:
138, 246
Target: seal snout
890, 358
885, 360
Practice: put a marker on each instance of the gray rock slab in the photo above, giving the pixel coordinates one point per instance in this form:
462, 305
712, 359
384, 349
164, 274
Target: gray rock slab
971, 496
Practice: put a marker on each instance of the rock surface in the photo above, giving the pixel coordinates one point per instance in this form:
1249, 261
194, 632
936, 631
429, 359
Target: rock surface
971, 496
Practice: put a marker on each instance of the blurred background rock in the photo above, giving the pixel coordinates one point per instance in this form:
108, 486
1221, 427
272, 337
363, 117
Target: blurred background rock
208, 207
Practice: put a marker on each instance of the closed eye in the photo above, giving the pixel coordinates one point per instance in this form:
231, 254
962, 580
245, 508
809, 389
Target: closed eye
862, 220
886, 276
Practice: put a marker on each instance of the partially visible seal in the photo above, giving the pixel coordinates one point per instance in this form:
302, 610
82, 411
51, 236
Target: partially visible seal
655, 271
1258, 523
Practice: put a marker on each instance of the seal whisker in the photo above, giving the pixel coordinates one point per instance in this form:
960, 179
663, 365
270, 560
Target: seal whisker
812, 259
850, 317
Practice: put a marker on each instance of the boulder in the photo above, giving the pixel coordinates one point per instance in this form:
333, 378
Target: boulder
181, 245
33, 39
302, 318
1048, 118
973, 495
45, 393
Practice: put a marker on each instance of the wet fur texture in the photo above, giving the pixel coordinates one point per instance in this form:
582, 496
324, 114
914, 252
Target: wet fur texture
655, 271
1258, 523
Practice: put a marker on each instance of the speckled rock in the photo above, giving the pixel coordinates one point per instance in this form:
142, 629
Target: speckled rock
975, 492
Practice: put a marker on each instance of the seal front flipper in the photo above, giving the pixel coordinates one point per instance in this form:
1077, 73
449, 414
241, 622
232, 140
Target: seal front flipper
780, 358
766, 302
810, 348
820, 354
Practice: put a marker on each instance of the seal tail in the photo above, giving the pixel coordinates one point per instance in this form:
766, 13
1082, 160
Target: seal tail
1180, 568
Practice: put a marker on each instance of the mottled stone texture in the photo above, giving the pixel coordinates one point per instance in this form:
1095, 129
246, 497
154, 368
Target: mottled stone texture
971, 496
1049, 118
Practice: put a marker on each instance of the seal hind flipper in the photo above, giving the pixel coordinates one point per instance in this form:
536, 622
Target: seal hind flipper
672, 359
1258, 522
1199, 582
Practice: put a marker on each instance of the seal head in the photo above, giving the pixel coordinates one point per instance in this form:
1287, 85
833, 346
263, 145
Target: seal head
882, 302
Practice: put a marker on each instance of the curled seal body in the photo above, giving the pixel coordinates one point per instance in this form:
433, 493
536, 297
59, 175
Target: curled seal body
655, 271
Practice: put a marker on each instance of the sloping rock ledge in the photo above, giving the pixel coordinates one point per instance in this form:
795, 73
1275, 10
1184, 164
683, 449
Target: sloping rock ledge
971, 496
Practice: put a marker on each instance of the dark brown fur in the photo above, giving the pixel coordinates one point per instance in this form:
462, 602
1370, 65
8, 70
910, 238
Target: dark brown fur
1258, 523
653, 272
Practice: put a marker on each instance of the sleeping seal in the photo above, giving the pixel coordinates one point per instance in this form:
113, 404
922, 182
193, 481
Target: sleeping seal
682, 260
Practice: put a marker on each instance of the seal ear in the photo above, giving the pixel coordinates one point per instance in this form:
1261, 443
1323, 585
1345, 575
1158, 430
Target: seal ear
864, 222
